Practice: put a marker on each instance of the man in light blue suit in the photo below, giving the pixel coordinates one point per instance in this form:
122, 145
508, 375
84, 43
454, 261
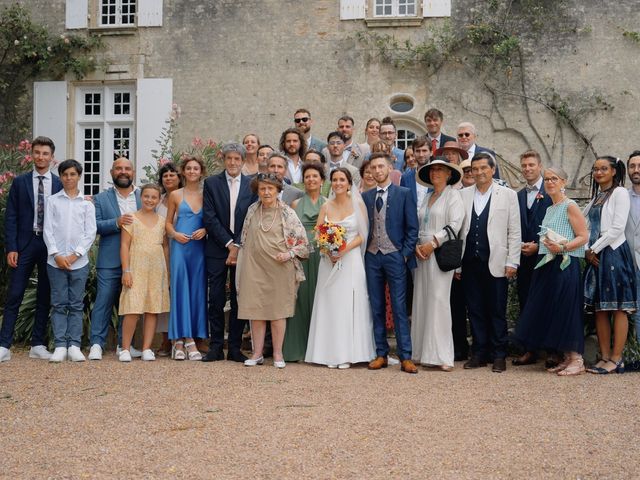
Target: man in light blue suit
388, 135
114, 208
393, 234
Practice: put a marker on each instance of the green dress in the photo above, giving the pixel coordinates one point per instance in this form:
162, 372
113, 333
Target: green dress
297, 332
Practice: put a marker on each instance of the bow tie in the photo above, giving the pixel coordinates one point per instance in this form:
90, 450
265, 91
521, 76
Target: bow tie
380, 191
531, 188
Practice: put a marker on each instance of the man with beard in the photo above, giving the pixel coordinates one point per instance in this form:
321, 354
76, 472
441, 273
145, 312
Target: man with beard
302, 119
114, 208
293, 144
422, 152
632, 231
388, 135
336, 147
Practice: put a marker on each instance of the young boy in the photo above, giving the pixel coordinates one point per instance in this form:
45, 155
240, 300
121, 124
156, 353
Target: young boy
69, 232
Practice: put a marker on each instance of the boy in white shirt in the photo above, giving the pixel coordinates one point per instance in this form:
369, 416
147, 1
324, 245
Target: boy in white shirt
69, 232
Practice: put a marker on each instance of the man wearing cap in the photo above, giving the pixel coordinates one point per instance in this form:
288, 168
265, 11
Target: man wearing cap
491, 256
533, 203
433, 121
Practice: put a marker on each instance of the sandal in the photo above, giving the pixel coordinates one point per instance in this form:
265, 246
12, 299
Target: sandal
598, 368
561, 366
576, 367
178, 353
194, 354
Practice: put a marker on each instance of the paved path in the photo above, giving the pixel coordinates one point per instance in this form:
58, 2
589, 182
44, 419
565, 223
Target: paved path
194, 420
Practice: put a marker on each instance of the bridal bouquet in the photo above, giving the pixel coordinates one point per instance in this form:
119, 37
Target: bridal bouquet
330, 238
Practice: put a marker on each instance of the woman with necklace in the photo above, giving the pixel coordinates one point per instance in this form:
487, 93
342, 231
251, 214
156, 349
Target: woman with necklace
269, 269
609, 279
552, 317
185, 228
251, 143
307, 208
431, 334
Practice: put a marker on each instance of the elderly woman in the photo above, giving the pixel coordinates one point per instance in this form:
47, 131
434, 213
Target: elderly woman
307, 208
552, 317
269, 268
609, 278
431, 335
367, 182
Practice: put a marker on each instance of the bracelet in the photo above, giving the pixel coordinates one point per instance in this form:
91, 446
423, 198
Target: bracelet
126, 271
434, 244
291, 254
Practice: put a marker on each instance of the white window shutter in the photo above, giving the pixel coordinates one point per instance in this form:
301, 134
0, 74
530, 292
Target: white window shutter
153, 108
149, 13
352, 9
436, 8
50, 114
76, 14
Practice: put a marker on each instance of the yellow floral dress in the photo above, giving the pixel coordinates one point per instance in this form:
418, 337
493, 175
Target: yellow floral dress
150, 290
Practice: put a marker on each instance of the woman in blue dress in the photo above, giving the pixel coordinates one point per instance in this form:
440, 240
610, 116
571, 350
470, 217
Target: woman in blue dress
188, 314
609, 279
553, 316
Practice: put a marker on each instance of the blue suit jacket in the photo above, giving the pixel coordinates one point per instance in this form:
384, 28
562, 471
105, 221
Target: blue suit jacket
18, 220
531, 226
401, 220
216, 213
399, 165
107, 213
408, 180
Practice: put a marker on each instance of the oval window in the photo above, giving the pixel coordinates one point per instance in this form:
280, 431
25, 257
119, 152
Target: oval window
401, 104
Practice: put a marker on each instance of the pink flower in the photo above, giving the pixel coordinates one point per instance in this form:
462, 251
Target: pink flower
24, 146
196, 142
163, 161
211, 144
25, 160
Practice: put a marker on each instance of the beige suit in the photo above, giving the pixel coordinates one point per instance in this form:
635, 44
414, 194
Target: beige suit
632, 234
503, 226
355, 174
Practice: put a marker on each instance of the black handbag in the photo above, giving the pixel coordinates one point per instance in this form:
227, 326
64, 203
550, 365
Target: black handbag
449, 254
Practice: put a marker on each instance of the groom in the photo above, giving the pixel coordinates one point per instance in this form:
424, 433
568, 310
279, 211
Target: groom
393, 233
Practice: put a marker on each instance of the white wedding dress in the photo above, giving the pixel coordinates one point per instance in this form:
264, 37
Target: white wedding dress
341, 329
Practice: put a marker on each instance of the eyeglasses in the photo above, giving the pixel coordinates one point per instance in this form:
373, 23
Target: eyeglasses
336, 142
267, 176
600, 169
301, 120
464, 134
551, 180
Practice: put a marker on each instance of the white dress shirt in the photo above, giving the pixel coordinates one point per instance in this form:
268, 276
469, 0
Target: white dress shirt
480, 200
47, 182
234, 190
127, 204
531, 195
69, 228
295, 173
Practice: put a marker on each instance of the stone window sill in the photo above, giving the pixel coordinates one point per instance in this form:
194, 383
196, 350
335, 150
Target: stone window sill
394, 21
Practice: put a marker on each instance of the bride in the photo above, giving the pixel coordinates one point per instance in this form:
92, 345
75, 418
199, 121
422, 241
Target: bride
341, 330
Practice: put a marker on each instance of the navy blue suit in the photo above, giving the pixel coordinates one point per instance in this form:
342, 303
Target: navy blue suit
108, 264
216, 217
32, 251
401, 226
530, 222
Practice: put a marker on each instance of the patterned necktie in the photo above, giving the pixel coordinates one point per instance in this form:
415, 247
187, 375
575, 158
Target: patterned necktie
379, 201
531, 188
40, 203
434, 146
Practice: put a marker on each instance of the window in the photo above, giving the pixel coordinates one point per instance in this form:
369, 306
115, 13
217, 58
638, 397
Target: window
404, 138
117, 13
395, 8
104, 131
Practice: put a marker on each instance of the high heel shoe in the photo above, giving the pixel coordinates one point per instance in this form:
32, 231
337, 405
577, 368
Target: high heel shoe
252, 362
178, 354
195, 354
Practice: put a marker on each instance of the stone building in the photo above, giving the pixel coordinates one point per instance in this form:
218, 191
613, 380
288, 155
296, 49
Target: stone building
240, 66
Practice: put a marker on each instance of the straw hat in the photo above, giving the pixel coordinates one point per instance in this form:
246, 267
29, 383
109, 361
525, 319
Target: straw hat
422, 176
451, 145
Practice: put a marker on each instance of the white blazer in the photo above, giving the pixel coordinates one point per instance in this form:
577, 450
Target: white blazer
503, 227
613, 220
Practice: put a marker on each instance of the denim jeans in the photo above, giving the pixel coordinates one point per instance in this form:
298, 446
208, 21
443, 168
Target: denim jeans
108, 293
67, 303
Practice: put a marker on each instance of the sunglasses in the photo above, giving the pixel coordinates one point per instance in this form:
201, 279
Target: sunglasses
301, 120
464, 134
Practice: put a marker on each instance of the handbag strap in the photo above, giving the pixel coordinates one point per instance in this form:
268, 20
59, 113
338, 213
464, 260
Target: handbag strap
450, 233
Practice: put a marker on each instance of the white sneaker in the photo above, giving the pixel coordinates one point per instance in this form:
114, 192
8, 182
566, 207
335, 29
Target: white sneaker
75, 354
59, 355
5, 354
148, 355
135, 353
40, 352
124, 356
95, 353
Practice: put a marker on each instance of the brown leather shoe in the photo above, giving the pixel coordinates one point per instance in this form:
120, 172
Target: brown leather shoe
378, 363
408, 366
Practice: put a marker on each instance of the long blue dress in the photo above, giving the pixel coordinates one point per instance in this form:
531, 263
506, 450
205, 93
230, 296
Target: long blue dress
188, 314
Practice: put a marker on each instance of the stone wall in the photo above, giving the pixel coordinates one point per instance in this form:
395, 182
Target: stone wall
244, 66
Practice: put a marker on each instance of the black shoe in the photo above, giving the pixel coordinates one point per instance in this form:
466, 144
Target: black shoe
213, 356
475, 362
499, 365
459, 357
236, 356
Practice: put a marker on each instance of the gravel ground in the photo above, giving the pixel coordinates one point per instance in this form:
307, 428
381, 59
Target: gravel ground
170, 419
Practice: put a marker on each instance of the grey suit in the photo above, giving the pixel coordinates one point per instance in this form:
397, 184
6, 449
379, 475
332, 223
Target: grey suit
632, 234
355, 173
289, 194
